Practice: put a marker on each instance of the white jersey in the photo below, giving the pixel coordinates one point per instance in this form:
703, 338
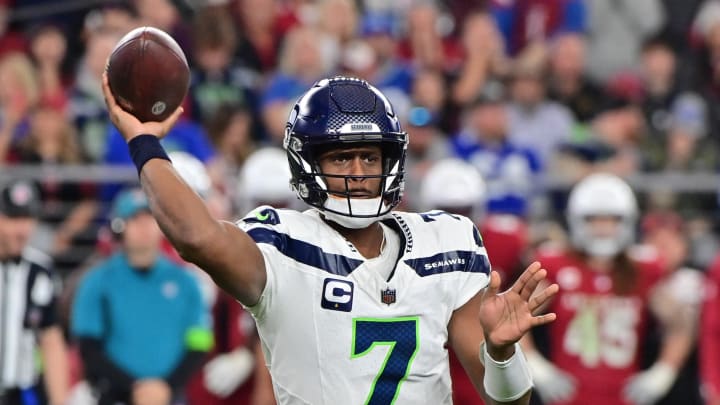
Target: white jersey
335, 331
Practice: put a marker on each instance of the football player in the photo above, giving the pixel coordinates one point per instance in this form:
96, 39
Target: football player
354, 302
608, 288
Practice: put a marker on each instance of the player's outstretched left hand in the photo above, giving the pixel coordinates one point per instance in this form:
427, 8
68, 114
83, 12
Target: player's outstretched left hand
507, 316
128, 125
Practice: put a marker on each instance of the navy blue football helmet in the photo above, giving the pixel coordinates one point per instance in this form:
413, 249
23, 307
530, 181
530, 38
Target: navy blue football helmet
339, 112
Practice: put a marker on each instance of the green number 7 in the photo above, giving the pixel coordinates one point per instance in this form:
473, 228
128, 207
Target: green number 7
401, 334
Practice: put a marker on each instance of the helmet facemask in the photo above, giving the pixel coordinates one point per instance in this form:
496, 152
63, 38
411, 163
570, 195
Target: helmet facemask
340, 205
344, 113
600, 245
602, 195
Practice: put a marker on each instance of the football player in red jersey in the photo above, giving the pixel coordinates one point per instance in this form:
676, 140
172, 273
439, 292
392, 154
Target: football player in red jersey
710, 335
608, 288
457, 187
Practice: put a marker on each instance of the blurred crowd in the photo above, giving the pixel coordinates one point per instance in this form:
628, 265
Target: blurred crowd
518, 91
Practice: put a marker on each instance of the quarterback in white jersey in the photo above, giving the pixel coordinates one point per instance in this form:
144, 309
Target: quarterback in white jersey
376, 339
355, 303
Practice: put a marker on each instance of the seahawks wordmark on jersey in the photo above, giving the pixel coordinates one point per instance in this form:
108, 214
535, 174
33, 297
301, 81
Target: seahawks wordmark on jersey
334, 330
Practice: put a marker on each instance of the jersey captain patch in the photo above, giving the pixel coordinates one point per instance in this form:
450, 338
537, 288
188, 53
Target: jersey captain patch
337, 295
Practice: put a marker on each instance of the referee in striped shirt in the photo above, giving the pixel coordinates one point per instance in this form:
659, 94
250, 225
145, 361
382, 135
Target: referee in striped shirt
28, 296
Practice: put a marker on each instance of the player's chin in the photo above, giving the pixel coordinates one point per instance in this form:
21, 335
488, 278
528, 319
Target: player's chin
366, 196
361, 195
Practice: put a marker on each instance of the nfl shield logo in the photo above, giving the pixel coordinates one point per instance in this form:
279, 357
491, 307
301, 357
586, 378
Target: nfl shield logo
388, 296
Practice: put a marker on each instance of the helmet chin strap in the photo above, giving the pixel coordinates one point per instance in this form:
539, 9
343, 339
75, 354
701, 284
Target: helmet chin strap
360, 206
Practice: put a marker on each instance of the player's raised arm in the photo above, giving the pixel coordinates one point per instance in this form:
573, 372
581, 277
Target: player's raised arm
224, 251
501, 373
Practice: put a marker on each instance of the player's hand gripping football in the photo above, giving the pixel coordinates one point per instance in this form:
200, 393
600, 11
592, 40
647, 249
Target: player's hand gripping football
507, 316
128, 125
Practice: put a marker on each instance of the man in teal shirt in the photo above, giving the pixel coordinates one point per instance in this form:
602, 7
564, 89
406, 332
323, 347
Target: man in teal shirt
139, 318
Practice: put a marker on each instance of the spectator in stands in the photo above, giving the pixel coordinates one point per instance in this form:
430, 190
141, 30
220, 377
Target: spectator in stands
617, 132
138, 318
509, 170
262, 34
660, 86
216, 78
679, 16
535, 122
28, 302
231, 133
706, 29
338, 19
707, 78
430, 90
380, 31
567, 81
117, 17
684, 145
19, 94
48, 47
616, 32
358, 59
87, 109
67, 226
11, 40
533, 22
485, 58
307, 55
427, 44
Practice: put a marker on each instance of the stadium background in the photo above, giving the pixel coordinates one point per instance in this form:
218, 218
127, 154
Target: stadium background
627, 86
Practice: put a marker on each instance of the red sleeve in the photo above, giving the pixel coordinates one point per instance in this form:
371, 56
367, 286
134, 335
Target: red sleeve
233, 326
653, 271
506, 242
552, 258
171, 253
710, 333
238, 332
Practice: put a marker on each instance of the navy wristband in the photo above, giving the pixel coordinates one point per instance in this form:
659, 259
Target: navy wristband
145, 147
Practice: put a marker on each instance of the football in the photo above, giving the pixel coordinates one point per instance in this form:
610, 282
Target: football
148, 74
